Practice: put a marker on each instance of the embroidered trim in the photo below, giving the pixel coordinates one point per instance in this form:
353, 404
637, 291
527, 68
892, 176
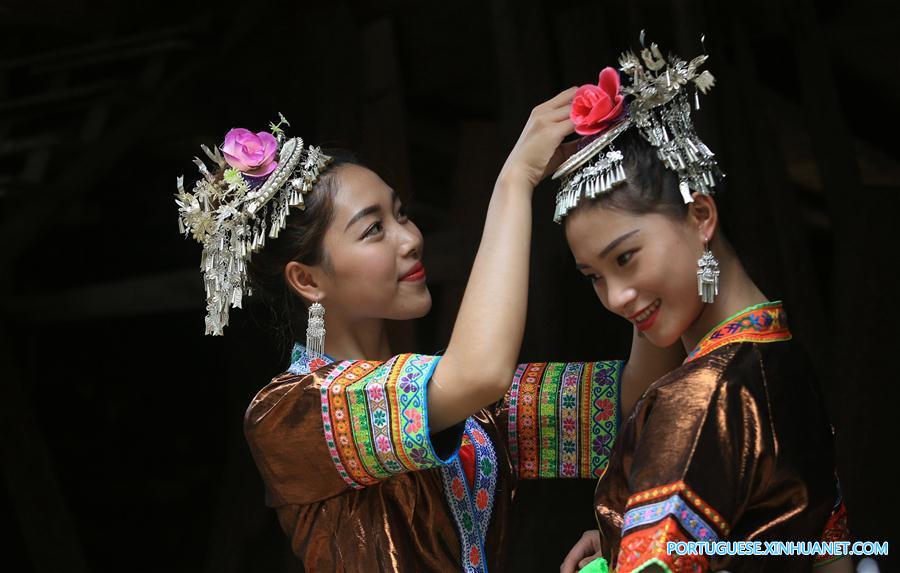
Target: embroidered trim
548, 420
584, 422
835, 530
528, 425
301, 363
342, 420
409, 395
472, 508
512, 415
675, 507
644, 547
375, 418
326, 424
605, 383
688, 495
563, 418
379, 415
568, 420
766, 322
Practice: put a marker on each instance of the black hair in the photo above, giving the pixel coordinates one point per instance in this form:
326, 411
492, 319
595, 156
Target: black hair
300, 240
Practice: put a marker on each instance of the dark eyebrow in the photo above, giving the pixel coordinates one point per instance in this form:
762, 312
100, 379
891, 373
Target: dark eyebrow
612, 245
362, 213
371, 209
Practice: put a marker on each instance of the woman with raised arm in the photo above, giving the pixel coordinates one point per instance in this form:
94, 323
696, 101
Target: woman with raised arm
734, 445
397, 462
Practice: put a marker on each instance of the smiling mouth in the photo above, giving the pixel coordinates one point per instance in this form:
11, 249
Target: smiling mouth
415, 274
645, 319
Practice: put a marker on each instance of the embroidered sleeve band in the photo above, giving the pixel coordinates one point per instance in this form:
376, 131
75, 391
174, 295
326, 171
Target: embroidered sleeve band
563, 418
654, 517
375, 417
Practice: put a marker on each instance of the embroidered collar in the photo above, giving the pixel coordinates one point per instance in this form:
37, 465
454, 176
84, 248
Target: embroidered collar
303, 363
765, 322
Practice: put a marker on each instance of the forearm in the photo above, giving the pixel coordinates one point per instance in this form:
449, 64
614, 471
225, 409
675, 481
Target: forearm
480, 360
491, 320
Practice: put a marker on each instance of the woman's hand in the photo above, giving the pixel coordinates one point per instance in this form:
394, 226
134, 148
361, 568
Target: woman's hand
478, 366
538, 151
586, 550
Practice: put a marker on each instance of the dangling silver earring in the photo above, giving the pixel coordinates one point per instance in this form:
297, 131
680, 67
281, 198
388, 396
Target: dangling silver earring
315, 330
707, 276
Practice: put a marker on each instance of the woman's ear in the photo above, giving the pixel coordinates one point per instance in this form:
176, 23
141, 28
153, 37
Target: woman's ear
703, 215
302, 279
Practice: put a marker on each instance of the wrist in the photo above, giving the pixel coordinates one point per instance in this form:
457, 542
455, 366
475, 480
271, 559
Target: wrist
514, 182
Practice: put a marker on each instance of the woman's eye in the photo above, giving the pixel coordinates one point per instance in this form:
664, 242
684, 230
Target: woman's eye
594, 278
624, 258
374, 229
402, 215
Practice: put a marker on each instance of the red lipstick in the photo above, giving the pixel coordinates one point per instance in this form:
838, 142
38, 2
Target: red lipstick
647, 322
416, 273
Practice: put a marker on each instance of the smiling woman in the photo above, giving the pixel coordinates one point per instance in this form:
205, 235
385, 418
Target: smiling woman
399, 462
733, 445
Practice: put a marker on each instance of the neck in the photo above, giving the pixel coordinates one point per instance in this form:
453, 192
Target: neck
736, 292
361, 339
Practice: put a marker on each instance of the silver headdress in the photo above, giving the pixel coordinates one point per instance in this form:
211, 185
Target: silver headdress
658, 106
231, 212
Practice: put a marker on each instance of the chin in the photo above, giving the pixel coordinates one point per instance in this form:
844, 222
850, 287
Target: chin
414, 306
660, 338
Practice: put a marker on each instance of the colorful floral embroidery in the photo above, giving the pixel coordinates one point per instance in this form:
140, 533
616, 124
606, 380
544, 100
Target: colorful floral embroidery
375, 418
343, 421
685, 493
647, 546
548, 412
472, 508
303, 363
568, 420
326, 424
766, 322
836, 528
527, 418
675, 507
563, 418
604, 413
512, 417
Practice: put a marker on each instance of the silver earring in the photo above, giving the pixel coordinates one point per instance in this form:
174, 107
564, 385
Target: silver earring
315, 330
707, 276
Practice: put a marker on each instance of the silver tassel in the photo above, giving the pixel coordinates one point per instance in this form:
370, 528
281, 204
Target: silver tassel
315, 330
708, 276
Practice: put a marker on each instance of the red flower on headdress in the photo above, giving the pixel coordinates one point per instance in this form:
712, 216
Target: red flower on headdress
596, 107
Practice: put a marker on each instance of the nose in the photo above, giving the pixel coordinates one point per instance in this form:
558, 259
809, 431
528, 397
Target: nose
411, 241
621, 298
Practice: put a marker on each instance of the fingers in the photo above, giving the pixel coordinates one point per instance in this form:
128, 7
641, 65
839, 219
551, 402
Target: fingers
583, 547
562, 98
558, 114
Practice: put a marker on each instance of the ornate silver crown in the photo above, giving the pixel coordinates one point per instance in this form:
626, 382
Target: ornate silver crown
230, 213
658, 105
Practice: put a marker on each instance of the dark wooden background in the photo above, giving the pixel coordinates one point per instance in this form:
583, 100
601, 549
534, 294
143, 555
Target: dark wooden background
121, 438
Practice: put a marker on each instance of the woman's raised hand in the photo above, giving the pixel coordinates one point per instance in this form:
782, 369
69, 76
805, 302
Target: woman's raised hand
539, 150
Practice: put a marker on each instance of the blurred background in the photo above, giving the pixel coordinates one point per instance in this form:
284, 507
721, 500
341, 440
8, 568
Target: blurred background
121, 423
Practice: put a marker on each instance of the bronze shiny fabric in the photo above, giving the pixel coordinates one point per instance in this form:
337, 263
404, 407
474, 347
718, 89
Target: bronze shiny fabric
400, 524
740, 438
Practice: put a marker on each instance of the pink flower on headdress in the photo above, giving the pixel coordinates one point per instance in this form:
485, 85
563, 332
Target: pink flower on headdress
250, 153
595, 108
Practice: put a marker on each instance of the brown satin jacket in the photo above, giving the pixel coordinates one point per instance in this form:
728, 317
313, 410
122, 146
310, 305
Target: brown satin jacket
734, 445
360, 484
